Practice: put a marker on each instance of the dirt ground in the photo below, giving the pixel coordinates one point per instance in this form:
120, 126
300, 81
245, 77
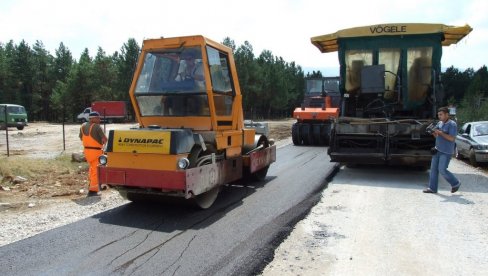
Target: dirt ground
52, 176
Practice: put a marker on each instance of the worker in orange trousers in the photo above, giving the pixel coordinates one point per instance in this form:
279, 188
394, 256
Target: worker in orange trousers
93, 138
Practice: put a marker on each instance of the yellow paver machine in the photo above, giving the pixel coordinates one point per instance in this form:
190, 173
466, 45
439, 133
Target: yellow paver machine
390, 91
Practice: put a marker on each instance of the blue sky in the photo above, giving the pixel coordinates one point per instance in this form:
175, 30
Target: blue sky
283, 27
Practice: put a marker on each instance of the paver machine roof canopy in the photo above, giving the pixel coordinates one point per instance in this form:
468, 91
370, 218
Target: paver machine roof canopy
448, 34
410, 53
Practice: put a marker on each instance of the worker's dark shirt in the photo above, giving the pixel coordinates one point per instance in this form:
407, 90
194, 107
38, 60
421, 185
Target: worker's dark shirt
97, 132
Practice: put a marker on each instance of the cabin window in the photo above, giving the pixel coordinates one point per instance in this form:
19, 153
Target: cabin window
391, 59
221, 81
355, 61
419, 68
172, 71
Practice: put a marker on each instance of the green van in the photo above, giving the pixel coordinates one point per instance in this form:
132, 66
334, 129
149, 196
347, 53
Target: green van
16, 116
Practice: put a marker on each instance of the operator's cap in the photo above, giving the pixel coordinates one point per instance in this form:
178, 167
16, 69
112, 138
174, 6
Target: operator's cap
94, 114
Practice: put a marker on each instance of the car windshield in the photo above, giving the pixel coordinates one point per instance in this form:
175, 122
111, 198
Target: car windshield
480, 130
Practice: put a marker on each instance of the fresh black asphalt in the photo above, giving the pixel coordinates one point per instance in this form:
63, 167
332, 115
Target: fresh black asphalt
236, 236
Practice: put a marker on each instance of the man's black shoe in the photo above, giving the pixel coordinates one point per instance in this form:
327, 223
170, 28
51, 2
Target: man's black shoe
455, 189
428, 191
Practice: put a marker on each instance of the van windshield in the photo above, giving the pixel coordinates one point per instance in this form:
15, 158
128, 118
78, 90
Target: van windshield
16, 109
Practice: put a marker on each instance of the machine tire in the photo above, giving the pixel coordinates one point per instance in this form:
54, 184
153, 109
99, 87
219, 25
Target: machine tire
472, 158
261, 174
134, 197
325, 134
316, 134
306, 134
206, 200
331, 140
195, 152
295, 134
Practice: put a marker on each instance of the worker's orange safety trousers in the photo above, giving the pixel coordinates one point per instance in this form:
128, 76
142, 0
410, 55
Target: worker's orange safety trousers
92, 151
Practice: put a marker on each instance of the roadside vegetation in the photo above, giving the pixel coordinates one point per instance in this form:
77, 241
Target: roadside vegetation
468, 91
19, 165
24, 177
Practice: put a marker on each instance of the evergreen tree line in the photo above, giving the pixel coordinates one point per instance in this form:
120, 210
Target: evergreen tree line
52, 87
468, 91
56, 87
271, 87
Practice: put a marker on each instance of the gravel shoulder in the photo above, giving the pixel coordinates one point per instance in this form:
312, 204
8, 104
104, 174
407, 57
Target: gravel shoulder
372, 224
45, 215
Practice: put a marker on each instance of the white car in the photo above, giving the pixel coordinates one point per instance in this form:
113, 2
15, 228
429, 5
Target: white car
472, 142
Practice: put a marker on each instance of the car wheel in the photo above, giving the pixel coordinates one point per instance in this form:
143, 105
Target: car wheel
472, 158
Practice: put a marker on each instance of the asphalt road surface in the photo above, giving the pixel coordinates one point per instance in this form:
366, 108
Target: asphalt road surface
237, 236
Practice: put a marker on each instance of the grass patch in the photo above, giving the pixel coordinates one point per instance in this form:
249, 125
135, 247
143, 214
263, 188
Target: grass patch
13, 166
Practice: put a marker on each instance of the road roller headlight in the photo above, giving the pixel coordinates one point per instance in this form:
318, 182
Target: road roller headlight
102, 159
183, 163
